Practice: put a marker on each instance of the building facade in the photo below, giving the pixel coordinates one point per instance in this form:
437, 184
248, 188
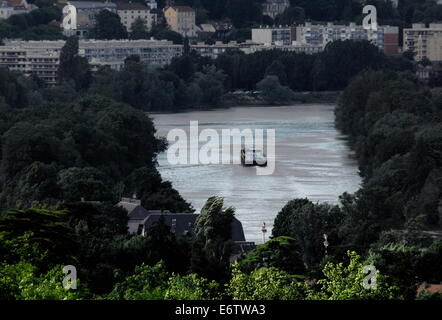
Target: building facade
318, 35
129, 12
181, 19
272, 8
85, 15
41, 62
11, 7
41, 58
274, 35
423, 41
385, 38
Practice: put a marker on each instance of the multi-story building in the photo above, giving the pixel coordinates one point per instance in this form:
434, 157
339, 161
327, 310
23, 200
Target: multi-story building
425, 42
41, 62
274, 35
114, 52
272, 8
85, 15
181, 19
384, 37
41, 58
11, 7
318, 35
129, 12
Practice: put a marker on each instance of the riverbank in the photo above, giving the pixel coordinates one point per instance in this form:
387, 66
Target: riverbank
251, 99
255, 99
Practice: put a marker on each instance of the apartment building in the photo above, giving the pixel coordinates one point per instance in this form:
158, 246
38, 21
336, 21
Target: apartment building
274, 35
272, 8
181, 19
114, 52
319, 35
85, 15
129, 12
41, 58
41, 62
385, 37
11, 7
425, 42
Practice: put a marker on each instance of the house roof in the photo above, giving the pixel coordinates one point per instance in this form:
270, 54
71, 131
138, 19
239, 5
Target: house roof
206, 27
131, 6
92, 4
183, 8
185, 222
433, 288
178, 222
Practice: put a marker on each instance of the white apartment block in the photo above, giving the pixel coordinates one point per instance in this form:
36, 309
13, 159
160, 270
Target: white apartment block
385, 38
425, 42
129, 12
42, 57
318, 35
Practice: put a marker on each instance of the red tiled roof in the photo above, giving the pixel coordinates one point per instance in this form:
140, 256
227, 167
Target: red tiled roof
433, 288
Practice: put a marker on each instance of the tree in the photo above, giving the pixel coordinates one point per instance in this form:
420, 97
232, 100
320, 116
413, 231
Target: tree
212, 241
282, 253
342, 60
265, 284
146, 283
22, 281
210, 80
40, 237
191, 287
139, 30
272, 90
277, 69
72, 67
346, 283
307, 223
291, 16
108, 26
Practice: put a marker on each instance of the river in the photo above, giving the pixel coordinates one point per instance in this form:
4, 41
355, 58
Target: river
312, 160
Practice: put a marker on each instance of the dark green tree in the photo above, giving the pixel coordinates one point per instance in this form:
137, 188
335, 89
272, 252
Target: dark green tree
212, 243
139, 30
108, 26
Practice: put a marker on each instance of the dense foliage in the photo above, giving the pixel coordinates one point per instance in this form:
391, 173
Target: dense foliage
394, 125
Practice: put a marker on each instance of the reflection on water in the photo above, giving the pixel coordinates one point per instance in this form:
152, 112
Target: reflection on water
312, 160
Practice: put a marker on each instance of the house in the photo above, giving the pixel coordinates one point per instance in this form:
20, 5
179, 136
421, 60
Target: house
129, 12
181, 19
431, 288
205, 31
141, 220
272, 8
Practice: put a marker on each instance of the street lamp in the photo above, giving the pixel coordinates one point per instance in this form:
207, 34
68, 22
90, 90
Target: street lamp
264, 231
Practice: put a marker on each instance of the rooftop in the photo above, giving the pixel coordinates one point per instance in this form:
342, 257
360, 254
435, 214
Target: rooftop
92, 4
131, 6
